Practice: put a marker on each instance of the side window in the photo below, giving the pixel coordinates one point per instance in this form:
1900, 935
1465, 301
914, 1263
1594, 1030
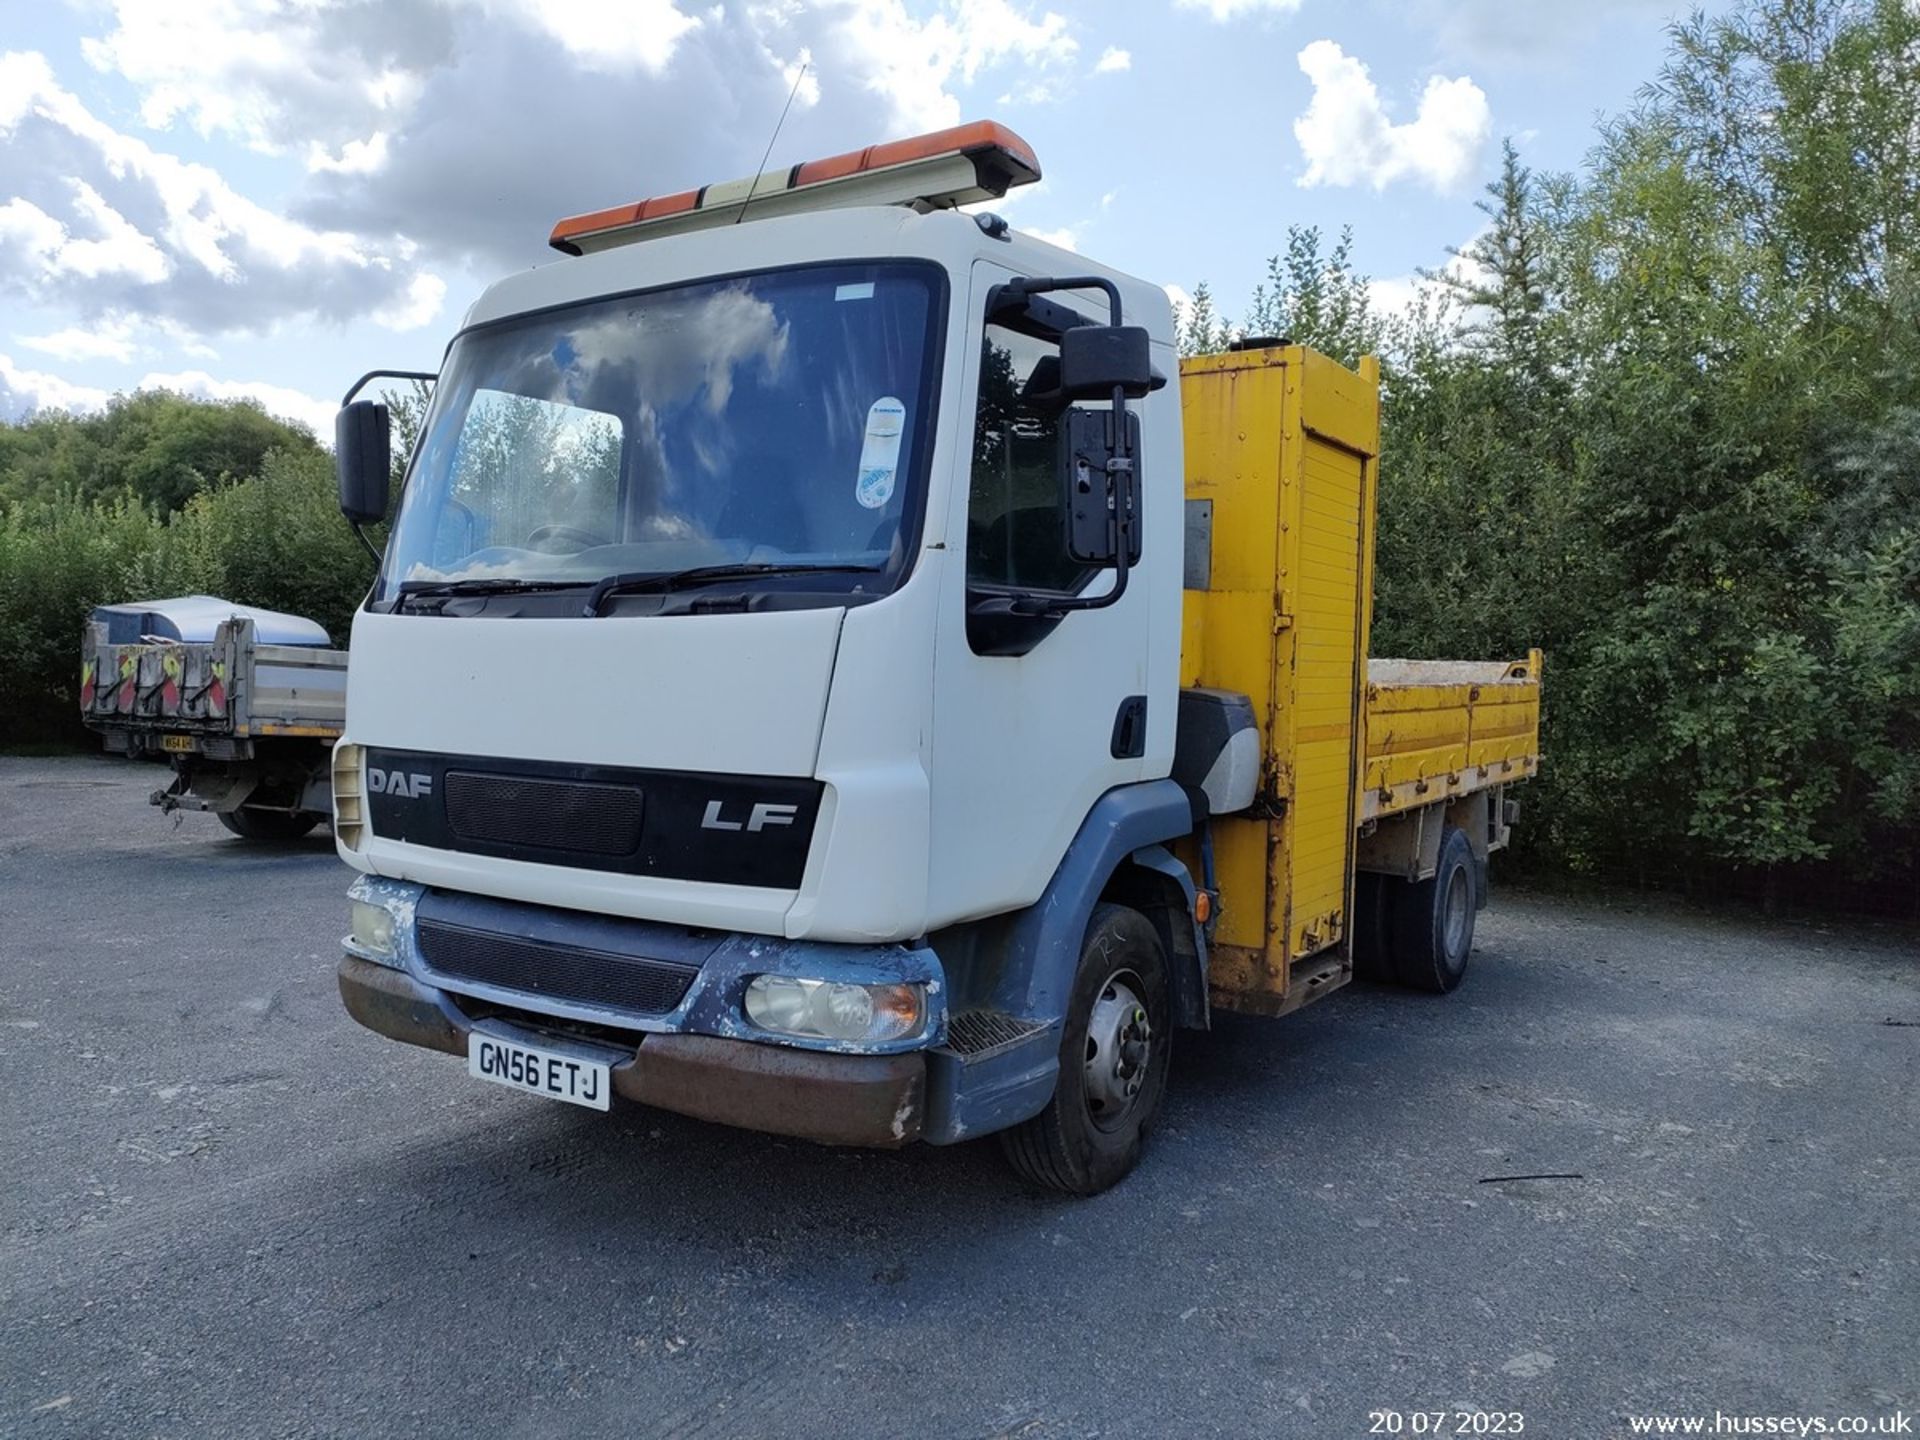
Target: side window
1014, 532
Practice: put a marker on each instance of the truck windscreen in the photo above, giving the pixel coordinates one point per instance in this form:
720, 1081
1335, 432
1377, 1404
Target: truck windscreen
762, 425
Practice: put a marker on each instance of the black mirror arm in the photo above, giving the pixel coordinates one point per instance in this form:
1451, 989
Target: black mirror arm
1015, 292
361, 536
1120, 466
371, 375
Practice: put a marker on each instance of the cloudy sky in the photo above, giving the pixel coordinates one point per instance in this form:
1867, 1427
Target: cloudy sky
268, 197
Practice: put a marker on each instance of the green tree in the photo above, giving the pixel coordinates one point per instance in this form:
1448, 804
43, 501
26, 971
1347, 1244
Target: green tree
1501, 277
162, 447
1202, 330
1312, 296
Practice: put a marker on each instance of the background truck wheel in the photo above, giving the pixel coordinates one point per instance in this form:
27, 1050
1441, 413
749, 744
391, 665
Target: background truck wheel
1114, 1053
251, 824
1432, 922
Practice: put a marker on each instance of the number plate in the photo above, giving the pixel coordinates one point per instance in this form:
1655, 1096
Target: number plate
539, 1072
179, 744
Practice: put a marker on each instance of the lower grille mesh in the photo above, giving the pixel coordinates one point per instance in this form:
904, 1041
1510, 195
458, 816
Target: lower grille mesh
977, 1032
587, 977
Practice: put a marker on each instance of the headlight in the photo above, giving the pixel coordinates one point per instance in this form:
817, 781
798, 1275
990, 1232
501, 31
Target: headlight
831, 1010
372, 932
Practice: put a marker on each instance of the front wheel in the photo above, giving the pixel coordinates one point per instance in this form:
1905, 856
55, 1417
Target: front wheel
1114, 1053
251, 824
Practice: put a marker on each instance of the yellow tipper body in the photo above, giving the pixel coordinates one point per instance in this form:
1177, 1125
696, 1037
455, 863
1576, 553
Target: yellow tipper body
1283, 444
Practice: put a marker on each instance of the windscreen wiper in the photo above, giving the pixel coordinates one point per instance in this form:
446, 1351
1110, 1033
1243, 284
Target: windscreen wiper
476, 585
640, 582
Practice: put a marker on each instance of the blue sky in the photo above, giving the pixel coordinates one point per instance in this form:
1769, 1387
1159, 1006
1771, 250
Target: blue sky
268, 197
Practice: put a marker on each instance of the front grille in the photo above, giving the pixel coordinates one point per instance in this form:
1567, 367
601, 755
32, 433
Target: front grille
555, 972
572, 815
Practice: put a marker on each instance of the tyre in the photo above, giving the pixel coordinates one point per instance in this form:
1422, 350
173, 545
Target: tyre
1114, 1053
251, 824
1372, 927
1432, 921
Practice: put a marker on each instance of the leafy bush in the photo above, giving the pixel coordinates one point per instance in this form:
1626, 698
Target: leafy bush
1666, 424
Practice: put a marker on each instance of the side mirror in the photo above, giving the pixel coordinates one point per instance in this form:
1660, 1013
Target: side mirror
1095, 360
362, 453
1100, 486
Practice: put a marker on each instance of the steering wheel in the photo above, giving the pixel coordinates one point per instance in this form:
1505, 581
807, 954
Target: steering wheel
582, 538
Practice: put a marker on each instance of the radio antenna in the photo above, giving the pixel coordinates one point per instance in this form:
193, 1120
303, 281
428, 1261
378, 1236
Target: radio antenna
777, 125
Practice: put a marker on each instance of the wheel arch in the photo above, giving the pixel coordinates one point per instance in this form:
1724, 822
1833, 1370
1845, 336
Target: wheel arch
1036, 950
1156, 884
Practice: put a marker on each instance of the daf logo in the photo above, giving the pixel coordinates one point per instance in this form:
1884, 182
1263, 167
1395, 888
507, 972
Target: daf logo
399, 782
758, 819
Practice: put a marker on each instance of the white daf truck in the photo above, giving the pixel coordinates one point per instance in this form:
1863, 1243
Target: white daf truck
831, 672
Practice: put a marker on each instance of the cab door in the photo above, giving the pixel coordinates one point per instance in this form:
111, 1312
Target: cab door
1033, 720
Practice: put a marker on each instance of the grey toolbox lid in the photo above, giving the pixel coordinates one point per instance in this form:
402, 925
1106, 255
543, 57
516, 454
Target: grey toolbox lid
195, 618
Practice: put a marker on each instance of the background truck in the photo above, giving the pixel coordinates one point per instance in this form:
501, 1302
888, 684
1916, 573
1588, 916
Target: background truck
824, 678
244, 703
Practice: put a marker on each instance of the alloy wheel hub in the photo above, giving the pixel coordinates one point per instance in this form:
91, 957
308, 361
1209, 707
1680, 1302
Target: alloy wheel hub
1119, 1050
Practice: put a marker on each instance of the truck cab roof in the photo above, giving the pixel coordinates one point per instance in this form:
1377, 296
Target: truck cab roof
953, 239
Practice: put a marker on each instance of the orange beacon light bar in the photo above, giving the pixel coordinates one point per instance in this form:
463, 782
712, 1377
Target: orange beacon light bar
981, 161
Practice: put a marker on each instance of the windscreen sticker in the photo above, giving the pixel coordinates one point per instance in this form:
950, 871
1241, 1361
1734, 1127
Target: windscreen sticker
880, 453
861, 291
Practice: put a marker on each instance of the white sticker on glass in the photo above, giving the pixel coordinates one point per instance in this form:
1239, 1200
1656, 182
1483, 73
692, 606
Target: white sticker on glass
880, 452
861, 291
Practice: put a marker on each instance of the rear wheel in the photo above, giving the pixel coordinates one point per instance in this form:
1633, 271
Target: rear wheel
1372, 926
1432, 920
251, 824
1114, 1053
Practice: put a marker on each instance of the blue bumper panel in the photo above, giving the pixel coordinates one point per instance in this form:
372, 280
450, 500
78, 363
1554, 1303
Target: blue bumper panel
633, 974
970, 1096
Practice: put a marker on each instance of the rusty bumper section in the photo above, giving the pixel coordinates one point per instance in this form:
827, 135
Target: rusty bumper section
869, 1100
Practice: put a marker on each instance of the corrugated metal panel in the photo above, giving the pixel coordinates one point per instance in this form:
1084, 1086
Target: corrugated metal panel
1326, 670
1281, 441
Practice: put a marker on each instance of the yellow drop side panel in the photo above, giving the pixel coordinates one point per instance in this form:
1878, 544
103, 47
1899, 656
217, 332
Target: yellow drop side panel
1283, 444
1440, 729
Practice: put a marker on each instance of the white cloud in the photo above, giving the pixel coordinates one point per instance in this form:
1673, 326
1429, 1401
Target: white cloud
108, 340
1347, 138
633, 34
254, 69
356, 157
289, 404
99, 223
1501, 32
561, 106
1222, 10
33, 242
417, 307
24, 391
1112, 60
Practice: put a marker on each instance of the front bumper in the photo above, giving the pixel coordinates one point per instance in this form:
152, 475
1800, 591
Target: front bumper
868, 1100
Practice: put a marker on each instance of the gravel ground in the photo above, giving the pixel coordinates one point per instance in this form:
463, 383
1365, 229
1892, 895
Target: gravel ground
229, 1211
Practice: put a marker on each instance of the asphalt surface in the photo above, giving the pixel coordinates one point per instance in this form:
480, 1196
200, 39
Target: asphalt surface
228, 1211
